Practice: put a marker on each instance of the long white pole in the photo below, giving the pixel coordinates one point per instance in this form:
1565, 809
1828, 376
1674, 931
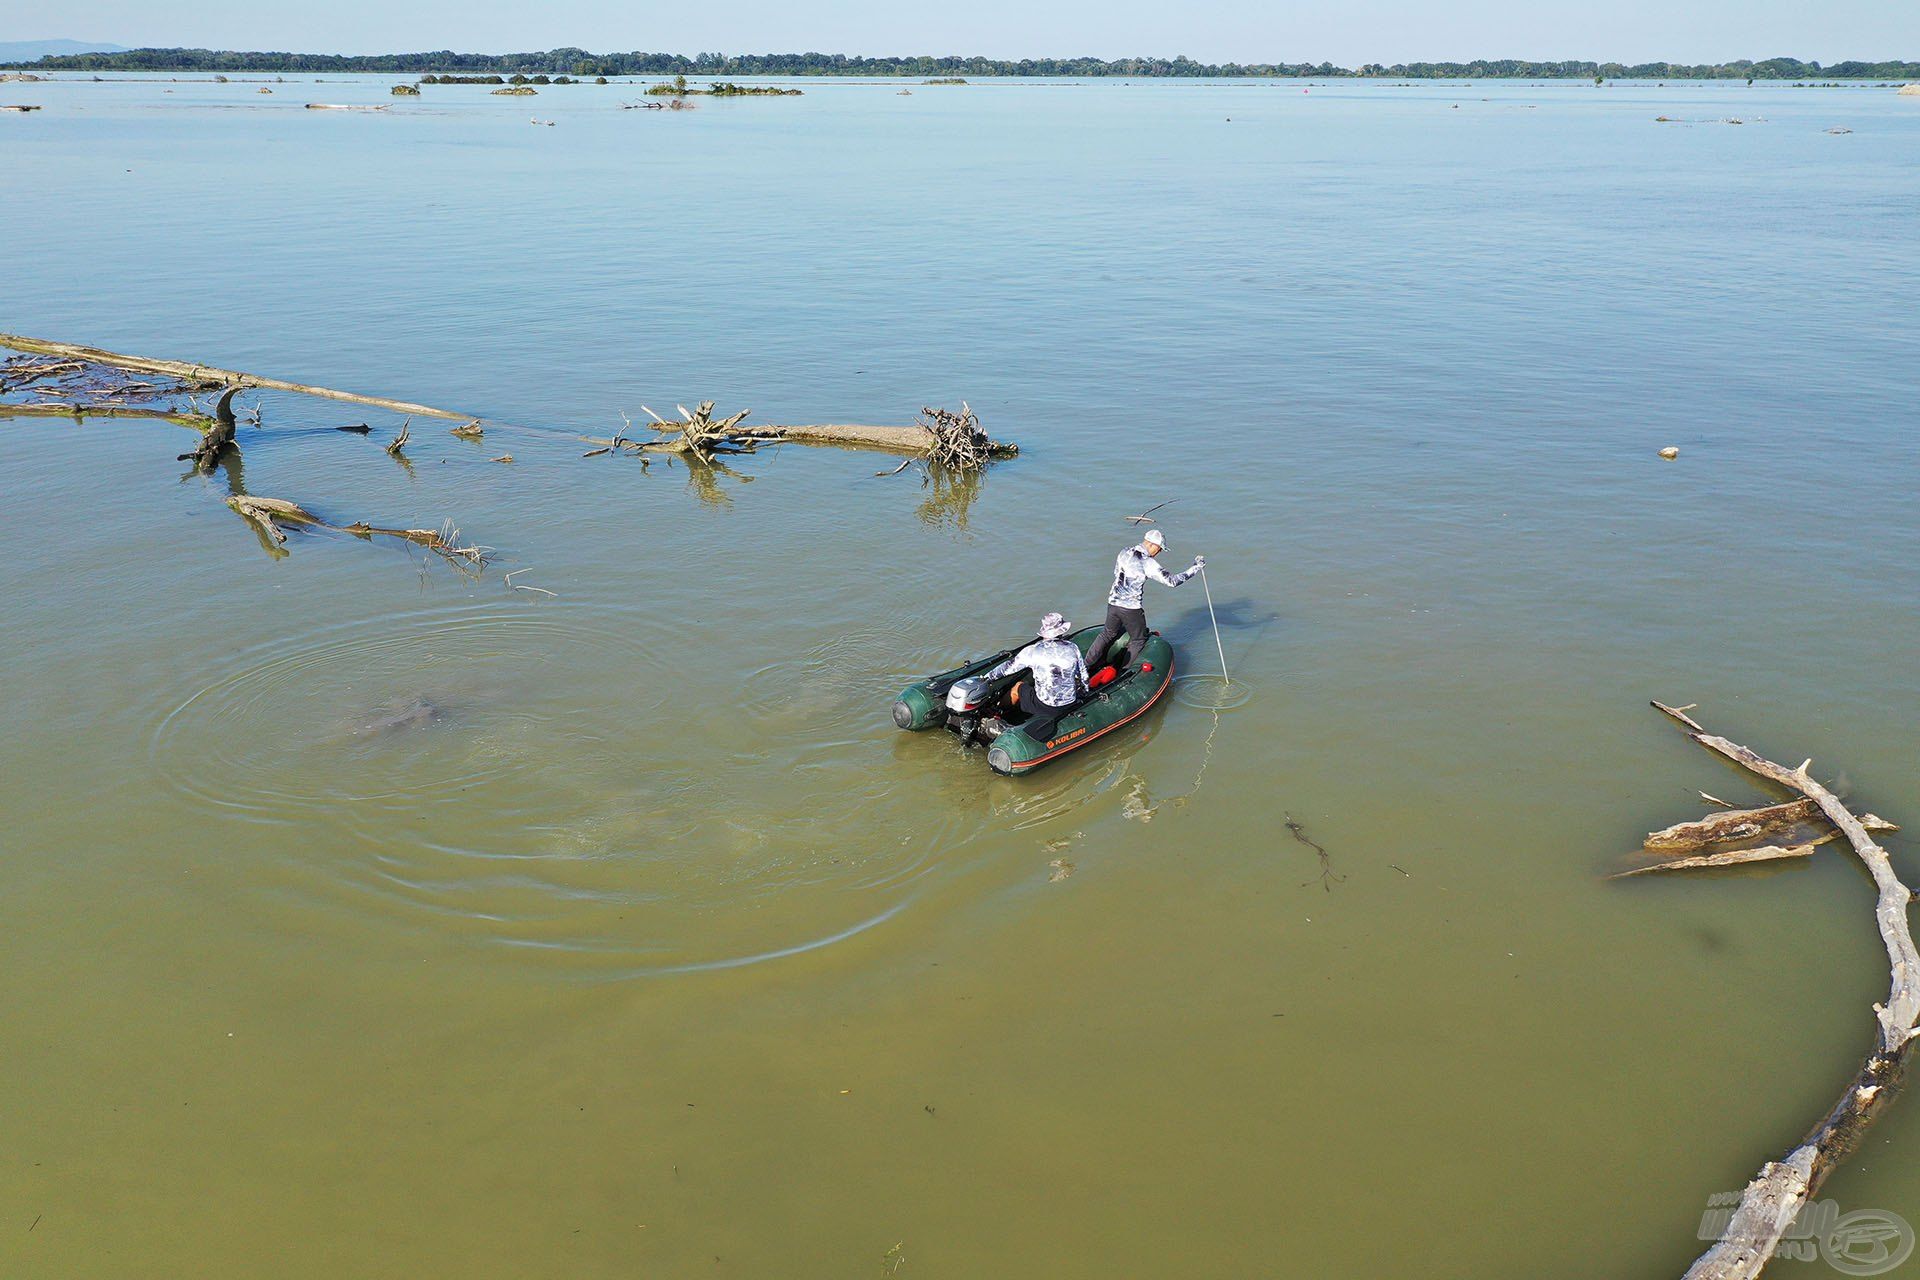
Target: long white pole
1216, 625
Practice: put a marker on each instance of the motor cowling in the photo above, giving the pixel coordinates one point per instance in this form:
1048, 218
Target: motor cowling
968, 696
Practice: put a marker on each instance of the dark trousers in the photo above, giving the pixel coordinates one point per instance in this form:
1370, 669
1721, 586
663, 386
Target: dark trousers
1131, 621
1041, 719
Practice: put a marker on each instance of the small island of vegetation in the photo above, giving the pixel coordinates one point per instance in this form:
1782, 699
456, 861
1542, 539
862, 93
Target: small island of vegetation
677, 88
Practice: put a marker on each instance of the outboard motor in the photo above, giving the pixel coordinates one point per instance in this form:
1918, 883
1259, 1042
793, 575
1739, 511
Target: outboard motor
966, 699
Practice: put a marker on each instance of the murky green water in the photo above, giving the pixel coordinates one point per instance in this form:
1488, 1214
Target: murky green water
643, 944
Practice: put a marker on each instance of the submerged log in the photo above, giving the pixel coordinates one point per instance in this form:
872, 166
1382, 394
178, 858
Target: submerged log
77, 411
1774, 1199
215, 443
916, 440
267, 513
208, 373
219, 438
1727, 858
1731, 824
1744, 824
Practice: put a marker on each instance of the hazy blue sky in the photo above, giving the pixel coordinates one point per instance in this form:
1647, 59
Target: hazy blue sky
1342, 31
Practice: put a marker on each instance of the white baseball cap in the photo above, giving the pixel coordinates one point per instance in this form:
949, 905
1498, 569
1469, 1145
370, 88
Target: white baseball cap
1157, 538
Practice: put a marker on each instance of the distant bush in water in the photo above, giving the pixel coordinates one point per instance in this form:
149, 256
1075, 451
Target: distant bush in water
719, 89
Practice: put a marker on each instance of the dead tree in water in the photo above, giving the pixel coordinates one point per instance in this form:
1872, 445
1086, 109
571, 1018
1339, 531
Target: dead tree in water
958, 442
697, 434
268, 515
219, 437
1774, 1199
954, 439
202, 373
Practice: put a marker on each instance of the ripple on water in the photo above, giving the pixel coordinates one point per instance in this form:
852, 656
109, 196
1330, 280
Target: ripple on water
841, 680
1211, 693
476, 772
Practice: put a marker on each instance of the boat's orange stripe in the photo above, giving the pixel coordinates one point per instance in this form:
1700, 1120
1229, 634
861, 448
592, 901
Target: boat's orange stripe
1081, 742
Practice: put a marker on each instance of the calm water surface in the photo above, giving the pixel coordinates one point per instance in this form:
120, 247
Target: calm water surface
646, 946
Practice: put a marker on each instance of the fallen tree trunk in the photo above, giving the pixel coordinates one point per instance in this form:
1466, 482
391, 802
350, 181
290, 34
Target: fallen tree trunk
208, 373
1731, 824
1727, 858
219, 438
1744, 824
266, 513
917, 441
194, 420
1774, 1199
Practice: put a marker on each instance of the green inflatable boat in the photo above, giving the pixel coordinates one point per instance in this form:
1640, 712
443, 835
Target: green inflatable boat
965, 702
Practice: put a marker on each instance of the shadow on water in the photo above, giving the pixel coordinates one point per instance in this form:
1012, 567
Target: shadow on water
1240, 614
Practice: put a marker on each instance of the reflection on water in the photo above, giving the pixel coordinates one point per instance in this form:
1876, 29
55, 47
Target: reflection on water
950, 497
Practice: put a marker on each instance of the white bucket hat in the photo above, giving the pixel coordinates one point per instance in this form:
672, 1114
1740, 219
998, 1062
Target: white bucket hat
1053, 626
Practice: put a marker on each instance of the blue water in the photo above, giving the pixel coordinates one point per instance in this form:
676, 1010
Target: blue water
661, 951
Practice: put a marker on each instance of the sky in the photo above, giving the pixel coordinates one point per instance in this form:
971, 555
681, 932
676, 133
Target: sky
1346, 32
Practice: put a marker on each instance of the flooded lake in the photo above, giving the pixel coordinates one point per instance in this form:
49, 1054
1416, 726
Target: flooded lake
361, 918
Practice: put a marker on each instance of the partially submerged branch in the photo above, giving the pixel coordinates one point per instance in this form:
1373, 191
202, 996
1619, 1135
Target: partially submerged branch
1744, 824
204, 373
1726, 858
268, 514
1773, 1200
219, 438
80, 412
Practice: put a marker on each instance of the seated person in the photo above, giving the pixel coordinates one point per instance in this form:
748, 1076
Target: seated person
1055, 680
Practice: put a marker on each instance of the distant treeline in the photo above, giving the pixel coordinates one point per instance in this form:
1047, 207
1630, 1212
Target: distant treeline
578, 62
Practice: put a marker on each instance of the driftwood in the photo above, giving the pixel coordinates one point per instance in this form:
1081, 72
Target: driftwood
1731, 824
916, 441
1744, 824
697, 434
197, 421
207, 373
913, 441
219, 438
958, 442
955, 440
1727, 858
1773, 1200
268, 514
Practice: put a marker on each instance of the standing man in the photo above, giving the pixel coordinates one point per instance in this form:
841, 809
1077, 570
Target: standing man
1130, 573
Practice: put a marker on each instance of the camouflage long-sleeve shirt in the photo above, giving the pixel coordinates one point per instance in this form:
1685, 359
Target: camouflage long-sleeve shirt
1130, 573
1059, 670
